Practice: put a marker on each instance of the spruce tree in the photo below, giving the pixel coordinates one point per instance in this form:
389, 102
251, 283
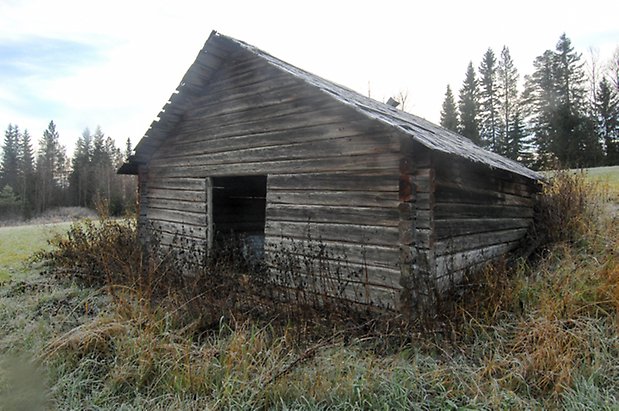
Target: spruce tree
26, 174
129, 148
50, 168
449, 115
577, 143
556, 102
81, 177
10, 153
515, 139
101, 163
511, 124
469, 106
540, 98
488, 104
606, 112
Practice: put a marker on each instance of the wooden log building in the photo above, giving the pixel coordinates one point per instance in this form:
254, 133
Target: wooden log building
253, 144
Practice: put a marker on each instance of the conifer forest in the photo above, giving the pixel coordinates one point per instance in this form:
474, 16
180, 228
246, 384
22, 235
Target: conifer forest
563, 114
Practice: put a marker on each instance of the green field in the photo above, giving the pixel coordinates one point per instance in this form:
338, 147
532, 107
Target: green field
17, 243
608, 177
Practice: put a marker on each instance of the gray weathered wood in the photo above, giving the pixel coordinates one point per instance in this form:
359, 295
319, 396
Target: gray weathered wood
339, 182
185, 195
344, 146
341, 198
358, 234
476, 241
476, 211
458, 261
326, 164
338, 213
177, 216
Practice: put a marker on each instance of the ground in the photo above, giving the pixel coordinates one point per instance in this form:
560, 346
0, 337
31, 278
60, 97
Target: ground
548, 339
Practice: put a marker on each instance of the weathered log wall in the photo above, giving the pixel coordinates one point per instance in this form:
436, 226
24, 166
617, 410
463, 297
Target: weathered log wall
332, 175
478, 214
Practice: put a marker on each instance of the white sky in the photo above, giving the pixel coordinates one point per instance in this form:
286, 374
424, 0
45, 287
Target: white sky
114, 63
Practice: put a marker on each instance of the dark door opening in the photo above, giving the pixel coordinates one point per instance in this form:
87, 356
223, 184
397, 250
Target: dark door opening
238, 211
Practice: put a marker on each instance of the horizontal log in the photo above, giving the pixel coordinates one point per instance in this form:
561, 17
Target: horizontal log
184, 229
336, 163
466, 174
310, 116
336, 198
337, 181
264, 97
229, 95
181, 241
229, 77
476, 241
184, 195
374, 255
182, 217
457, 227
364, 295
460, 211
192, 184
459, 261
239, 227
343, 146
469, 195
332, 214
179, 205
359, 234
354, 268
205, 143
258, 118
488, 184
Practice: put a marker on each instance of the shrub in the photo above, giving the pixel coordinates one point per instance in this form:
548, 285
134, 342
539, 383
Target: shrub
99, 252
567, 209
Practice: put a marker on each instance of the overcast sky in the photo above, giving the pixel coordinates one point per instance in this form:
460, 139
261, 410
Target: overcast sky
114, 63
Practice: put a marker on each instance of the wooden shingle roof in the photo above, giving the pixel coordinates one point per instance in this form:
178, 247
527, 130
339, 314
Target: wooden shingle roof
218, 47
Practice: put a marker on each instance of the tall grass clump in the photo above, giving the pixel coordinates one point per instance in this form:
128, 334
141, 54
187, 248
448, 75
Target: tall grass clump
569, 208
547, 321
95, 252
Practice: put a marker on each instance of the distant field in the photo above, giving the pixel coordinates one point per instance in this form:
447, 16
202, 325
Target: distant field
20, 242
609, 178
605, 174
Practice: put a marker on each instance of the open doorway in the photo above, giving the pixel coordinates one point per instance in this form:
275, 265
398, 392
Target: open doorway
238, 212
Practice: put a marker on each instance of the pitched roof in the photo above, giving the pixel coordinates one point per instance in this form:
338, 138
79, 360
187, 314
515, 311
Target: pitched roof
424, 132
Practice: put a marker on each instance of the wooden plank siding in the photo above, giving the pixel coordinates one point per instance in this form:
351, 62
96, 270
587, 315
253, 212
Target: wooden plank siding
332, 175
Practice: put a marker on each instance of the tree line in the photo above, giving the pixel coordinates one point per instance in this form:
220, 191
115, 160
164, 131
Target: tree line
563, 116
33, 182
